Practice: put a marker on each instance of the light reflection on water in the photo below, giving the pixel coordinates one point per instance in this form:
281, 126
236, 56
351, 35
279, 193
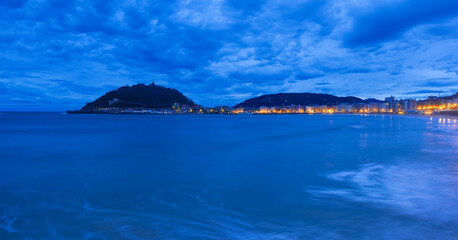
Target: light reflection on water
228, 177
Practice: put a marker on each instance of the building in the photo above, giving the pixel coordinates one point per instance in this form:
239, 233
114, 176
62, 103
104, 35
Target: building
391, 104
409, 105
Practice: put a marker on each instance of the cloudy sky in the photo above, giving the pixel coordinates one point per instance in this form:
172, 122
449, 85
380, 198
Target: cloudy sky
59, 54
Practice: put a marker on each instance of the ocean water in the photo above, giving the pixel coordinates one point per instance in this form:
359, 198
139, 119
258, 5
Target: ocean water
228, 177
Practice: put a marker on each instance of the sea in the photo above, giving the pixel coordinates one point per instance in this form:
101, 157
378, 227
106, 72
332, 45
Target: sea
77, 176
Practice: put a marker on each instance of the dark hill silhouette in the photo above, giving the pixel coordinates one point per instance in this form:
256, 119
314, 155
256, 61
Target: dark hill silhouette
287, 99
139, 96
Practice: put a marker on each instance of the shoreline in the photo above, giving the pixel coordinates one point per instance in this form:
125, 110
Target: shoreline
453, 114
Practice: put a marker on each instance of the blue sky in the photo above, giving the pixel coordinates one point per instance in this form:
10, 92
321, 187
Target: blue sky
57, 55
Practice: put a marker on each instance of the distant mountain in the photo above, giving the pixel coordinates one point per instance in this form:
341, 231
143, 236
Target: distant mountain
139, 96
287, 99
372, 100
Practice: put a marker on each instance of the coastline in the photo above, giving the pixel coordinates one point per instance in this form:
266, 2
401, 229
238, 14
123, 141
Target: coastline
450, 114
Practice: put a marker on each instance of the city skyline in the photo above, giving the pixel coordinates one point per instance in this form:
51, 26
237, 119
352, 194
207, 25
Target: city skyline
60, 55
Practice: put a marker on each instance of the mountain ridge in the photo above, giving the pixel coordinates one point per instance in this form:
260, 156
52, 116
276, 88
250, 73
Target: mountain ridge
287, 99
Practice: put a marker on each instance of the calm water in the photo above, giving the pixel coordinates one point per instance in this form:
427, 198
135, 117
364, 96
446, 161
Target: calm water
227, 177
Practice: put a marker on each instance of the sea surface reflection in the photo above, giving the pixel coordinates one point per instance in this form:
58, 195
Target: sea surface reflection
228, 177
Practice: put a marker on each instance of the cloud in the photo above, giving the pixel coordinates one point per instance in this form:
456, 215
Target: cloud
305, 76
424, 91
209, 49
213, 14
440, 82
390, 20
322, 84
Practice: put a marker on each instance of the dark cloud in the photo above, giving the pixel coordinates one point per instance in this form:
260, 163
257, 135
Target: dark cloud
439, 82
424, 92
390, 20
363, 70
321, 84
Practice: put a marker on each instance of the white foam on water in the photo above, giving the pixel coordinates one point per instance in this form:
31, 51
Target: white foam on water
213, 223
425, 191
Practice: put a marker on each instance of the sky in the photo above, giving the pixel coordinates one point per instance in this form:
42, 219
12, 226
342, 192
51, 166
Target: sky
60, 54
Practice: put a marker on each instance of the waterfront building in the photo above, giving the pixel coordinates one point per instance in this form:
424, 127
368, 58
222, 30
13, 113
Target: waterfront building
323, 108
408, 105
391, 104
343, 108
373, 107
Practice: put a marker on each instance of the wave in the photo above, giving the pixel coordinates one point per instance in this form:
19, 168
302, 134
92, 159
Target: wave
424, 191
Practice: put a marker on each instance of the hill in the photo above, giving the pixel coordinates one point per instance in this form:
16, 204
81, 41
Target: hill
287, 99
139, 96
